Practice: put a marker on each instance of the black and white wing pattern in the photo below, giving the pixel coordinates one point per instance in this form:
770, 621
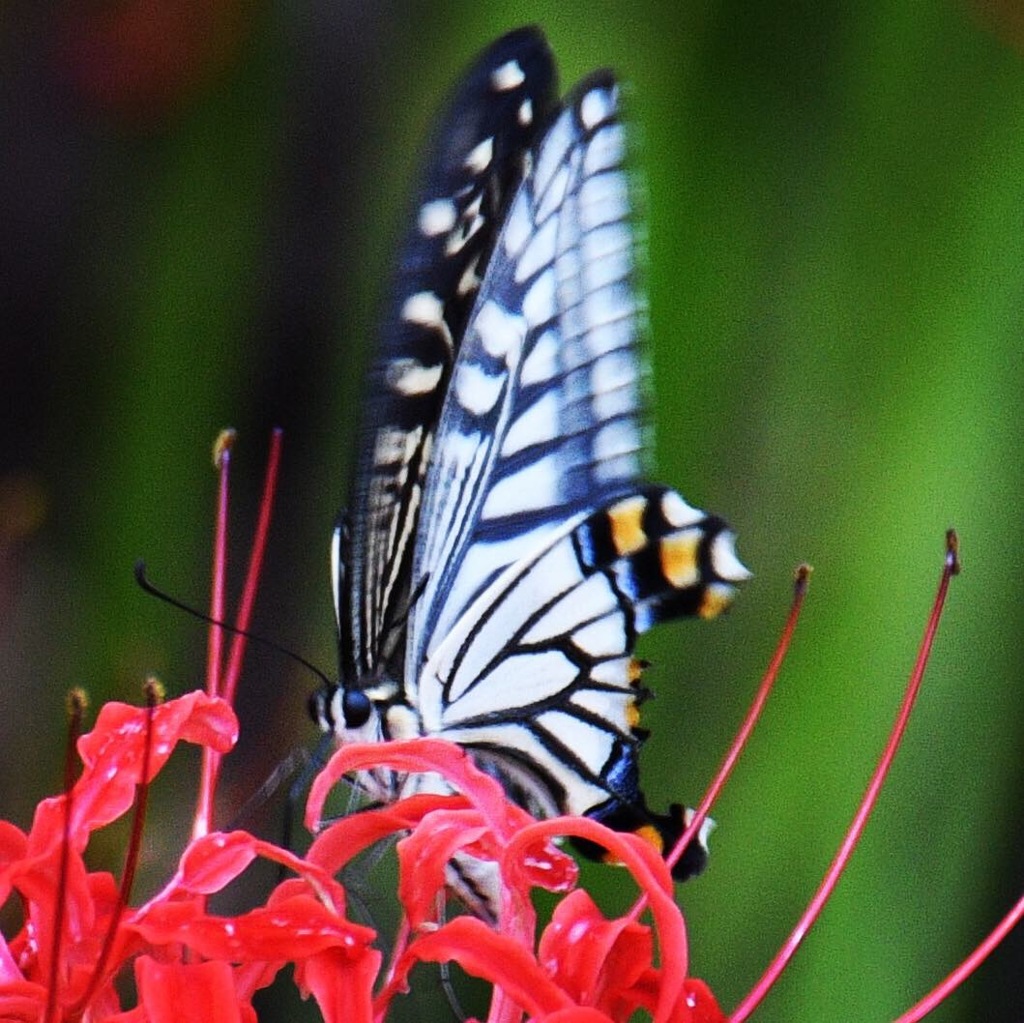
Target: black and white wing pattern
509, 566
474, 166
541, 556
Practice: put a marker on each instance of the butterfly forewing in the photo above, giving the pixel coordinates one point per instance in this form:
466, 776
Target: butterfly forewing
541, 557
541, 418
475, 164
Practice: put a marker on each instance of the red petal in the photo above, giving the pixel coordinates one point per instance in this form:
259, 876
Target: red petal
114, 750
186, 992
287, 931
654, 879
21, 1000
345, 839
37, 880
343, 987
492, 956
585, 952
13, 844
213, 861
330, 893
538, 863
416, 756
701, 1002
577, 1014
424, 855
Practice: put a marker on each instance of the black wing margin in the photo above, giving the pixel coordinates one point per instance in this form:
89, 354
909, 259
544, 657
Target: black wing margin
474, 164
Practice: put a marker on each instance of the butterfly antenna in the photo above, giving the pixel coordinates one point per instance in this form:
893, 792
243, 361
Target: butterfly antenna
154, 591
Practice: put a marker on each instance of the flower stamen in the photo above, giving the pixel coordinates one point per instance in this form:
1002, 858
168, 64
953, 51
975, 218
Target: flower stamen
951, 567
957, 976
77, 703
801, 581
220, 681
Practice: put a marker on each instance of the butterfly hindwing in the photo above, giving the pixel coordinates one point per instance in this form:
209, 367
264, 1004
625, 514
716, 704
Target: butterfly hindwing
538, 676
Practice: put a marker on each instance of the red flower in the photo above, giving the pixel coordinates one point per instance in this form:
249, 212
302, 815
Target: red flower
584, 967
78, 931
189, 964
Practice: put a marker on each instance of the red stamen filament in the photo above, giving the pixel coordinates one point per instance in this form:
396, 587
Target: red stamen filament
966, 968
76, 708
215, 643
259, 547
220, 682
210, 769
802, 578
856, 829
154, 695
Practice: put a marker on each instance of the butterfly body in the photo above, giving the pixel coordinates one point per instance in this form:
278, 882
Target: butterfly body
502, 553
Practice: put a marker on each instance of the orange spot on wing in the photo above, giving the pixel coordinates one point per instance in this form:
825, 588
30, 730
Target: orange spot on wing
679, 558
625, 519
716, 600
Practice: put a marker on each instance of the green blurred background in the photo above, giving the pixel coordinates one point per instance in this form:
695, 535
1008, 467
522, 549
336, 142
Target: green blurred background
198, 203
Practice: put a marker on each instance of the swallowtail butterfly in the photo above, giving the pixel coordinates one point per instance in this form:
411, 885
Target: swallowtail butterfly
501, 554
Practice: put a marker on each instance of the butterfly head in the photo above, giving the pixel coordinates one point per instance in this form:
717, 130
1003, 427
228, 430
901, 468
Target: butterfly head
347, 712
372, 710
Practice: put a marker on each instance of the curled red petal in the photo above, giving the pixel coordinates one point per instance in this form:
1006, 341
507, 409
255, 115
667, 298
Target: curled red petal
163, 923
587, 953
415, 756
13, 844
113, 752
650, 873
37, 877
291, 929
21, 1001
541, 865
120, 730
701, 1003
330, 892
345, 839
538, 863
213, 861
423, 859
492, 956
187, 992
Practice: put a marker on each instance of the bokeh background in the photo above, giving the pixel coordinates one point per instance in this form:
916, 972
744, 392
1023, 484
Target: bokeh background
198, 200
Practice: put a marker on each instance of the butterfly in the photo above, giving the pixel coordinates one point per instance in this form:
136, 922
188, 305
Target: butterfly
501, 553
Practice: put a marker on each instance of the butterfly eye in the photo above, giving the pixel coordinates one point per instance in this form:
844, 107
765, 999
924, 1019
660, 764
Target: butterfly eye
355, 706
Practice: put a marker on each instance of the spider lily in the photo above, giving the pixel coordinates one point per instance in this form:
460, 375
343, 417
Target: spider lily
81, 934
